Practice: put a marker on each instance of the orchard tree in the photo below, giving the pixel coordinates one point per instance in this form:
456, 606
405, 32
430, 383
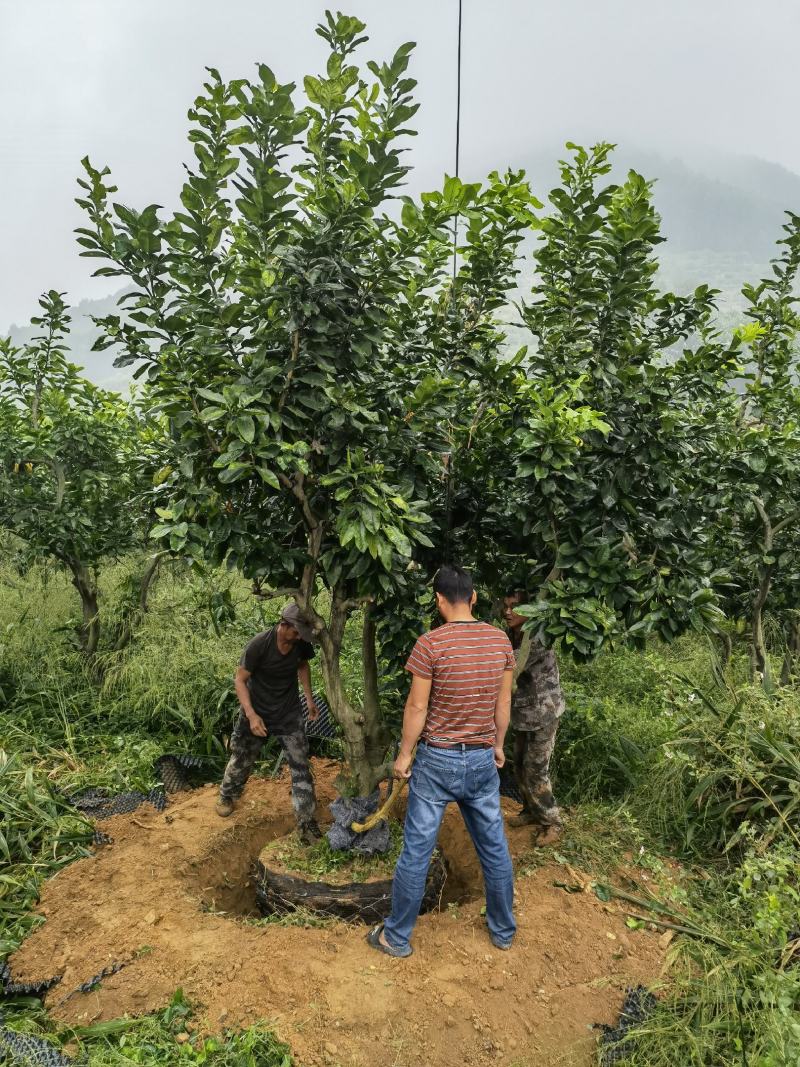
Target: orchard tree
282, 320
71, 461
595, 461
759, 495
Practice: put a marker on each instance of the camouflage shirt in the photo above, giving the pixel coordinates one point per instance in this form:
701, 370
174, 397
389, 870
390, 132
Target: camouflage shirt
538, 698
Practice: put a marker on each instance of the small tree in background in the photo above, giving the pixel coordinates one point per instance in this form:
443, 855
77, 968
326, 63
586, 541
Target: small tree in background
72, 461
758, 503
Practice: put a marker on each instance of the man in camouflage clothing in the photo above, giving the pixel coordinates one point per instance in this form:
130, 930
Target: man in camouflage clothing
267, 686
536, 707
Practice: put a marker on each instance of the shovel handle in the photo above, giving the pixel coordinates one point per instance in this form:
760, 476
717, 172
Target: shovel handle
383, 811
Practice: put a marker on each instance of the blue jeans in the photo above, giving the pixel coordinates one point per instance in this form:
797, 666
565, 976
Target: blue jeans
470, 778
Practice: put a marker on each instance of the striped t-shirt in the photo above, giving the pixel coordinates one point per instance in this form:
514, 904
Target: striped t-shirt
465, 661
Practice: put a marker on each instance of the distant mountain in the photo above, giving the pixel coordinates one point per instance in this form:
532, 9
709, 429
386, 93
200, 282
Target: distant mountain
98, 366
737, 210
723, 203
722, 216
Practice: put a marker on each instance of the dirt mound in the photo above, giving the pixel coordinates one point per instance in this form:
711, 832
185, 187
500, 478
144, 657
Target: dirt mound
163, 899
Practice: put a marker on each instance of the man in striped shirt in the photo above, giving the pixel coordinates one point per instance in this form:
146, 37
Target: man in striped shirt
457, 713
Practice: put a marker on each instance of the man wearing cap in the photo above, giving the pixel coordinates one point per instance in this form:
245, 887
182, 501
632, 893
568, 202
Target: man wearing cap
267, 687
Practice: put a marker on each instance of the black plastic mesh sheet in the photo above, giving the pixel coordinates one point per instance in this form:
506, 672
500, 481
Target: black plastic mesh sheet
97, 803
323, 727
96, 979
9, 988
357, 809
30, 1051
179, 772
615, 1043
508, 783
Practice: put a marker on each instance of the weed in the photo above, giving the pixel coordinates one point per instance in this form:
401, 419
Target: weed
733, 1002
732, 768
164, 1039
321, 861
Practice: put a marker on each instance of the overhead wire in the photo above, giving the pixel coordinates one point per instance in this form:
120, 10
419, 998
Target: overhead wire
458, 130
448, 458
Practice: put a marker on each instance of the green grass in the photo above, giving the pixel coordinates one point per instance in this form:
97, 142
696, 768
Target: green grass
39, 834
169, 1038
323, 862
734, 1000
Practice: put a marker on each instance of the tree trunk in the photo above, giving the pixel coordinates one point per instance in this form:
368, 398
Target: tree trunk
364, 739
792, 652
375, 735
86, 585
134, 615
759, 666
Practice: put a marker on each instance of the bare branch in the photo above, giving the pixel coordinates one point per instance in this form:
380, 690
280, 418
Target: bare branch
298, 488
273, 594
356, 602
779, 526
762, 514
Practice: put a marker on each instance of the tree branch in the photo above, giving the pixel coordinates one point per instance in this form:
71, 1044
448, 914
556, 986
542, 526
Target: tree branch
274, 594
354, 603
780, 526
762, 514
148, 578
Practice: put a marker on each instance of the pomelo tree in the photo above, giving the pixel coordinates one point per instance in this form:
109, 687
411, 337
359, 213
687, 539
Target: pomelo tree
595, 466
759, 466
286, 322
73, 461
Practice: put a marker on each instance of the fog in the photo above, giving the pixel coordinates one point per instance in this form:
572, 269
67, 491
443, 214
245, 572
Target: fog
113, 80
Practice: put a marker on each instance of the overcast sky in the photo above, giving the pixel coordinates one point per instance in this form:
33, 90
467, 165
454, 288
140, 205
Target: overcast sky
113, 79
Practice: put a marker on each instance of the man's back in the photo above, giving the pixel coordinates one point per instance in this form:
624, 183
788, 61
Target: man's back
465, 662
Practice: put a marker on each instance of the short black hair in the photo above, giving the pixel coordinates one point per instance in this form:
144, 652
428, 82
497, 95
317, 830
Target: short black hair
517, 591
454, 584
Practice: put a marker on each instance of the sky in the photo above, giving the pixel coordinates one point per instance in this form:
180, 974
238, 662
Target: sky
114, 78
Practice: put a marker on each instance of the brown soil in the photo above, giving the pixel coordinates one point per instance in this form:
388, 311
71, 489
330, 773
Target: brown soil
336, 1001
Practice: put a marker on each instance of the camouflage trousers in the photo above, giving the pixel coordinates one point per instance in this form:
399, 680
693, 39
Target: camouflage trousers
245, 750
532, 752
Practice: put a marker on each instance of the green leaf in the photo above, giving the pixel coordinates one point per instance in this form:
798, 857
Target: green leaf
209, 394
422, 538
269, 477
235, 472
245, 428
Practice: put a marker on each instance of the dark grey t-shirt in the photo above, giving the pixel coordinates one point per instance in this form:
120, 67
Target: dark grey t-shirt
273, 680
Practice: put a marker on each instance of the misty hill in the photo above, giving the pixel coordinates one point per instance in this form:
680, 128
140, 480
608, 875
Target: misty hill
721, 215
99, 366
727, 205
